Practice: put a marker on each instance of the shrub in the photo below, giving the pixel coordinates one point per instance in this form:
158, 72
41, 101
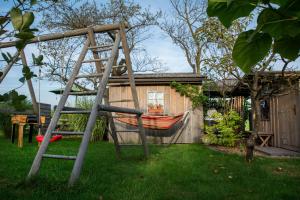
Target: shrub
226, 130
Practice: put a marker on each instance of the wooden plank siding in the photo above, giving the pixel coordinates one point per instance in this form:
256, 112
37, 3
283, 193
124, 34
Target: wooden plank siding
174, 104
284, 122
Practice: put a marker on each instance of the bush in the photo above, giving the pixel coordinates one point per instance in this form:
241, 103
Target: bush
226, 130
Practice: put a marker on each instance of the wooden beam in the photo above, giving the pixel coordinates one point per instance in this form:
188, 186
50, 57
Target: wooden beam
133, 88
56, 36
98, 63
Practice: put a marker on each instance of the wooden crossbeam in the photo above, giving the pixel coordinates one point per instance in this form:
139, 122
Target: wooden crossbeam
56, 36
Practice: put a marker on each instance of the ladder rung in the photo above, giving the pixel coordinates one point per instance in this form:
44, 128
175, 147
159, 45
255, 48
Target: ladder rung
101, 50
104, 46
124, 100
67, 133
95, 60
137, 130
59, 157
119, 109
92, 92
89, 75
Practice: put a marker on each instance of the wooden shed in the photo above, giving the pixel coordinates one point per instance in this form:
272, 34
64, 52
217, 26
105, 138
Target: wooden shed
157, 98
279, 109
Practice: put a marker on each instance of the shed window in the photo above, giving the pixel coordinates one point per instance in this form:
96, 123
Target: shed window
265, 109
155, 102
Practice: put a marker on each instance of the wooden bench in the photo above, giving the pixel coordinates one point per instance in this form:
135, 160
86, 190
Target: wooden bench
264, 138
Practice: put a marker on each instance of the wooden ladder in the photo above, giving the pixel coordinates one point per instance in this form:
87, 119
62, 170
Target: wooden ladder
103, 73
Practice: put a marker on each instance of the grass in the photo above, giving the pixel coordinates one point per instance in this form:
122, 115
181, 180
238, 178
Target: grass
178, 172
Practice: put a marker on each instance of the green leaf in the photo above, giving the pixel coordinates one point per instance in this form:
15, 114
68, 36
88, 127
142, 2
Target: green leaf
33, 2
290, 8
28, 19
288, 47
3, 19
249, 49
5, 57
16, 18
37, 60
22, 79
20, 44
25, 35
230, 10
277, 25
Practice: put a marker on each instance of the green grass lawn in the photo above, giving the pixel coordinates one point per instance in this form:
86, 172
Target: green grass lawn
178, 172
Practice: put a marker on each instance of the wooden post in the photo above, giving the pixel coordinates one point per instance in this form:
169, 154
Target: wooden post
20, 135
99, 64
94, 113
112, 128
38, 158
133, 88
30, 87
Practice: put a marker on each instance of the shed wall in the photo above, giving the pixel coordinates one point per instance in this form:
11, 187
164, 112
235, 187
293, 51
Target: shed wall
174, 104
284, 121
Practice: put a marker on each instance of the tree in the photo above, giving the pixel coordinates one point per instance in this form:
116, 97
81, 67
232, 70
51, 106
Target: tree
182, 27
277, 29
255, 51
67, 16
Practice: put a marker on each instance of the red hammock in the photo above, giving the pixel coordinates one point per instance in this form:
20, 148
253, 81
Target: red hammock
54, 138
152, 122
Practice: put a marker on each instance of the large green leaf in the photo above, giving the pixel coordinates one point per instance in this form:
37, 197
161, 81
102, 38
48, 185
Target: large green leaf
277, 25
229, 10
291, 8
288, 47
25, 35
16, 18
28, 19
249, 49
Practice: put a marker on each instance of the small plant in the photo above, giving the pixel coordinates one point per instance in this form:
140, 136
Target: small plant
226, 131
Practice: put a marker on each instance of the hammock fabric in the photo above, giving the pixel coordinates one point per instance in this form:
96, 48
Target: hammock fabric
40, 138
153, 122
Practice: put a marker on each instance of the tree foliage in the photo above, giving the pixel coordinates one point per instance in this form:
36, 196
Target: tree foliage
277, 28
61, 54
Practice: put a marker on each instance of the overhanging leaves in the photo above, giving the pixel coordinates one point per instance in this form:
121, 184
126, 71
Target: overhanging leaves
288, 47
277, 24
228, 10
249, 49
